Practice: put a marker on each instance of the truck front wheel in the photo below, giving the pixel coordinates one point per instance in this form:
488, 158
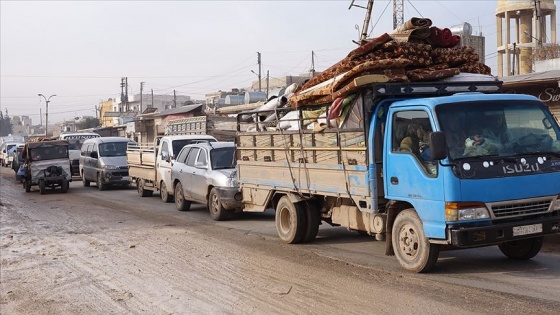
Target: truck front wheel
290, 221
522, 249
412, 248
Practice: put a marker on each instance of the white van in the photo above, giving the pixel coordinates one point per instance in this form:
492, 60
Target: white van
75, 140
103, 160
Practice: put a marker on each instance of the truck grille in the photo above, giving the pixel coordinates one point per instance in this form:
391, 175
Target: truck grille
521, 208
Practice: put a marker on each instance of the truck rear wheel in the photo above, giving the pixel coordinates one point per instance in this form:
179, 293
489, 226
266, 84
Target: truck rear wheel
313, 219
290, 221
412, 248
180, 202
522, 249
140, 189
165, 197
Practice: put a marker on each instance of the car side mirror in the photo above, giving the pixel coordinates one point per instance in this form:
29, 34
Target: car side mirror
94, 155
199, 164
438, 145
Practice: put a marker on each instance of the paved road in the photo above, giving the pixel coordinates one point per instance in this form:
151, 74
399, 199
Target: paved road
100, 252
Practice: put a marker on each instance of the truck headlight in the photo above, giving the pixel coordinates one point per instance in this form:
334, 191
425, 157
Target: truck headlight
465, 211
110, 167
556, 204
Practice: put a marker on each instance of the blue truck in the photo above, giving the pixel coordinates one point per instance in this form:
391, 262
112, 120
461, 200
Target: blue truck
423, 166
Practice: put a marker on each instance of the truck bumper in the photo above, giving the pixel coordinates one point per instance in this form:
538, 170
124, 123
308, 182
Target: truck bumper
499, 233
230, 198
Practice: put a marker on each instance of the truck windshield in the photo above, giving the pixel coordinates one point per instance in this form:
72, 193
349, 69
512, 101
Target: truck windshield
497, 129
112, 149
49, 153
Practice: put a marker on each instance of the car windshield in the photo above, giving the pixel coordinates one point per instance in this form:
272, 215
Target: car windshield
497, 129
112, 149
50, 152
222, 158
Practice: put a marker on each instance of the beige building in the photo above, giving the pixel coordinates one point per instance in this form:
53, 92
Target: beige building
523, 26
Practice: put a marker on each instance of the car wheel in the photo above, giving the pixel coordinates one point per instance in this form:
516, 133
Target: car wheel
411, 246
290, 221
180, 202
522, 249
85, 182
42, 188
165, 197
100, 184
217, 211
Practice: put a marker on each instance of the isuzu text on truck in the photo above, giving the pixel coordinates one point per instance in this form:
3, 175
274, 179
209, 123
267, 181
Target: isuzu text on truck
492, 175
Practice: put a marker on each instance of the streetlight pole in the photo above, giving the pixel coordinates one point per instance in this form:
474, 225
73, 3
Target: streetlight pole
47, 100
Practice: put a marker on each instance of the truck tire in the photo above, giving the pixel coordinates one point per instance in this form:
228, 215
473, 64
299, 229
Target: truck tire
313, 219
141, 190
522, 249
64, 186
100, 184
217, 211
290, 221
42, 188
165, 197
412, 248
85, 182
180, 202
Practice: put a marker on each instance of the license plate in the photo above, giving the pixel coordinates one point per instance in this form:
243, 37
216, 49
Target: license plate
126, 178
527, 229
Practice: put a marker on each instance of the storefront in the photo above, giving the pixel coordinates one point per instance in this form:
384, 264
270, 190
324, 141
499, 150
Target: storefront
543, 85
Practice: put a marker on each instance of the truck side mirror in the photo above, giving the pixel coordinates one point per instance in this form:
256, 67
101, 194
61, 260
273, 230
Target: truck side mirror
165, 156
438, 145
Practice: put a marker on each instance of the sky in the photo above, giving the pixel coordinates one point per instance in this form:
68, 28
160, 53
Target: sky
80, 50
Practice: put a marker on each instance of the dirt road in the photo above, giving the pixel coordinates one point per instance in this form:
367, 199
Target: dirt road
111, 252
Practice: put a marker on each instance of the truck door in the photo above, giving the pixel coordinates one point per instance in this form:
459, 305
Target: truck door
163, 165
410, 175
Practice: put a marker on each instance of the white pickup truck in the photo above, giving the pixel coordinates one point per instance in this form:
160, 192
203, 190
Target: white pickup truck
150, 165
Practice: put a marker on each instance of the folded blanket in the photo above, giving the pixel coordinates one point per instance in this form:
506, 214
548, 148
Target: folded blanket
412, 24
441, 37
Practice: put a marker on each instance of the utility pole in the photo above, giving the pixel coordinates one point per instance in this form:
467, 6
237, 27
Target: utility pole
267, 83
47, 100
398, 13
122, 95
152, 98
312, 70
513, 61
40, 117
174, 99
126, 94
141, 97
259, 61
365, 27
